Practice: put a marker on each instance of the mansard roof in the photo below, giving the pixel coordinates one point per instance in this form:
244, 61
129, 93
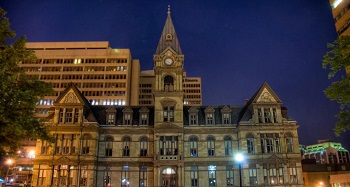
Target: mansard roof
217, 111
101, 113
168, 37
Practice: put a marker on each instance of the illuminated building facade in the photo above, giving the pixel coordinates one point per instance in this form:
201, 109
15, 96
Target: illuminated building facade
341, 15
327, 152
168, 143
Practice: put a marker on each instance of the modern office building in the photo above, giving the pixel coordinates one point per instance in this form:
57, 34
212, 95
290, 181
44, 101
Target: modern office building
104, 75
327, 152
164, 141
341, 15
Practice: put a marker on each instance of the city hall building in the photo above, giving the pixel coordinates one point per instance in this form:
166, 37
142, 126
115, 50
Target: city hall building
117, 126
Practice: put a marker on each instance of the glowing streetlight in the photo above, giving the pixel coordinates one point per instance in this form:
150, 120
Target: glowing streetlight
239, 158
8, 162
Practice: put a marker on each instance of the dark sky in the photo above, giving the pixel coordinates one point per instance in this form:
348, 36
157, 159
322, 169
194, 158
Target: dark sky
235, 46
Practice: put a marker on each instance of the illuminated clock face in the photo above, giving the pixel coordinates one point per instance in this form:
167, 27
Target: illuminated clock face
168, 61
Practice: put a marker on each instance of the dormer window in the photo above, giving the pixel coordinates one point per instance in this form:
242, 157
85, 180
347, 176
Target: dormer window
127, 116
226, 118
110, 119
127, 119
193, 116
144, 116
267, 115
144, 119
209, 115
210, 119
111, 116
193, 119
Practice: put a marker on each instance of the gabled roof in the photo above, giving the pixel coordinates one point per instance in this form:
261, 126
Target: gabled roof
264, 95
168, 37
72, 95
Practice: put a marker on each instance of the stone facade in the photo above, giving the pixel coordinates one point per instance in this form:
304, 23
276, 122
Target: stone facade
169, 143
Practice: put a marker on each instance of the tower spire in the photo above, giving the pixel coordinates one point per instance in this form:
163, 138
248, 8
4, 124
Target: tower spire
168, 37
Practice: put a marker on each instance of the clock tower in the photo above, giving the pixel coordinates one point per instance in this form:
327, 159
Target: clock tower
169, 71
168, 105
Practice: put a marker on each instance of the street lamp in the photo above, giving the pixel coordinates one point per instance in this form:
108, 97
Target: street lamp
31, 156
239, 158
8, 162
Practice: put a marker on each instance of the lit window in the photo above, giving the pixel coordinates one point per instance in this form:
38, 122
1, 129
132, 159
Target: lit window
193, 146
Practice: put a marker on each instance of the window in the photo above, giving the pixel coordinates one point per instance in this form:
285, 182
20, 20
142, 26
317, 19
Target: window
212, 175
111, 119
267, 115
144, 119
193, 146
41, 176
270, 143
293, 179
44, 147
250, 144
61, 115
83, 176
168, 145
260, 115
229, 175
193, 119
109, 145
127, 119
168, 83
125, 176
274, 113
211, 146
126, 146
226, 118
253, 180
210, 119
289, 143
69, 115
228, 146
194, 176
85, 148
273, 174
143, 176
168, 114
143, 146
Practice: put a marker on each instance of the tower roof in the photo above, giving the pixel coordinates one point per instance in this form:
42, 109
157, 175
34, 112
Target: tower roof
169, 37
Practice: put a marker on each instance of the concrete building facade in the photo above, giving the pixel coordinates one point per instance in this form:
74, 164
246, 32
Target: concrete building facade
168, 142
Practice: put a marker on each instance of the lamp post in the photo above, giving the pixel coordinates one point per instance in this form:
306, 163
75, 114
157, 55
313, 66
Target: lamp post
239, 158
31, 156
8, 162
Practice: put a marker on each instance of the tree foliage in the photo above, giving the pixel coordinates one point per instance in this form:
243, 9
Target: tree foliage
18, 93
337, 59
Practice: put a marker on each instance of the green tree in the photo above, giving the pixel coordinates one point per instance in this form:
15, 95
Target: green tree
337, 59
18, 92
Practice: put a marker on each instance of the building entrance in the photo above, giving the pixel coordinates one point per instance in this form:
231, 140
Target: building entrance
169, 178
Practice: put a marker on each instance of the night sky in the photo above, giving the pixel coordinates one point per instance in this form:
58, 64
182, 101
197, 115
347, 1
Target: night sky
235, 46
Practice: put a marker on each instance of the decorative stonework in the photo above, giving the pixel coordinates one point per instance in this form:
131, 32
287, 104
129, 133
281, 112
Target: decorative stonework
70, 98
266, 97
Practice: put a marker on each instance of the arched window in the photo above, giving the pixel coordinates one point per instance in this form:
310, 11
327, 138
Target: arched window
126, 146
250, 144
143, 146
168, 83
228, 146
109, 146
211, 146
193, 146
289, 143
85, 147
